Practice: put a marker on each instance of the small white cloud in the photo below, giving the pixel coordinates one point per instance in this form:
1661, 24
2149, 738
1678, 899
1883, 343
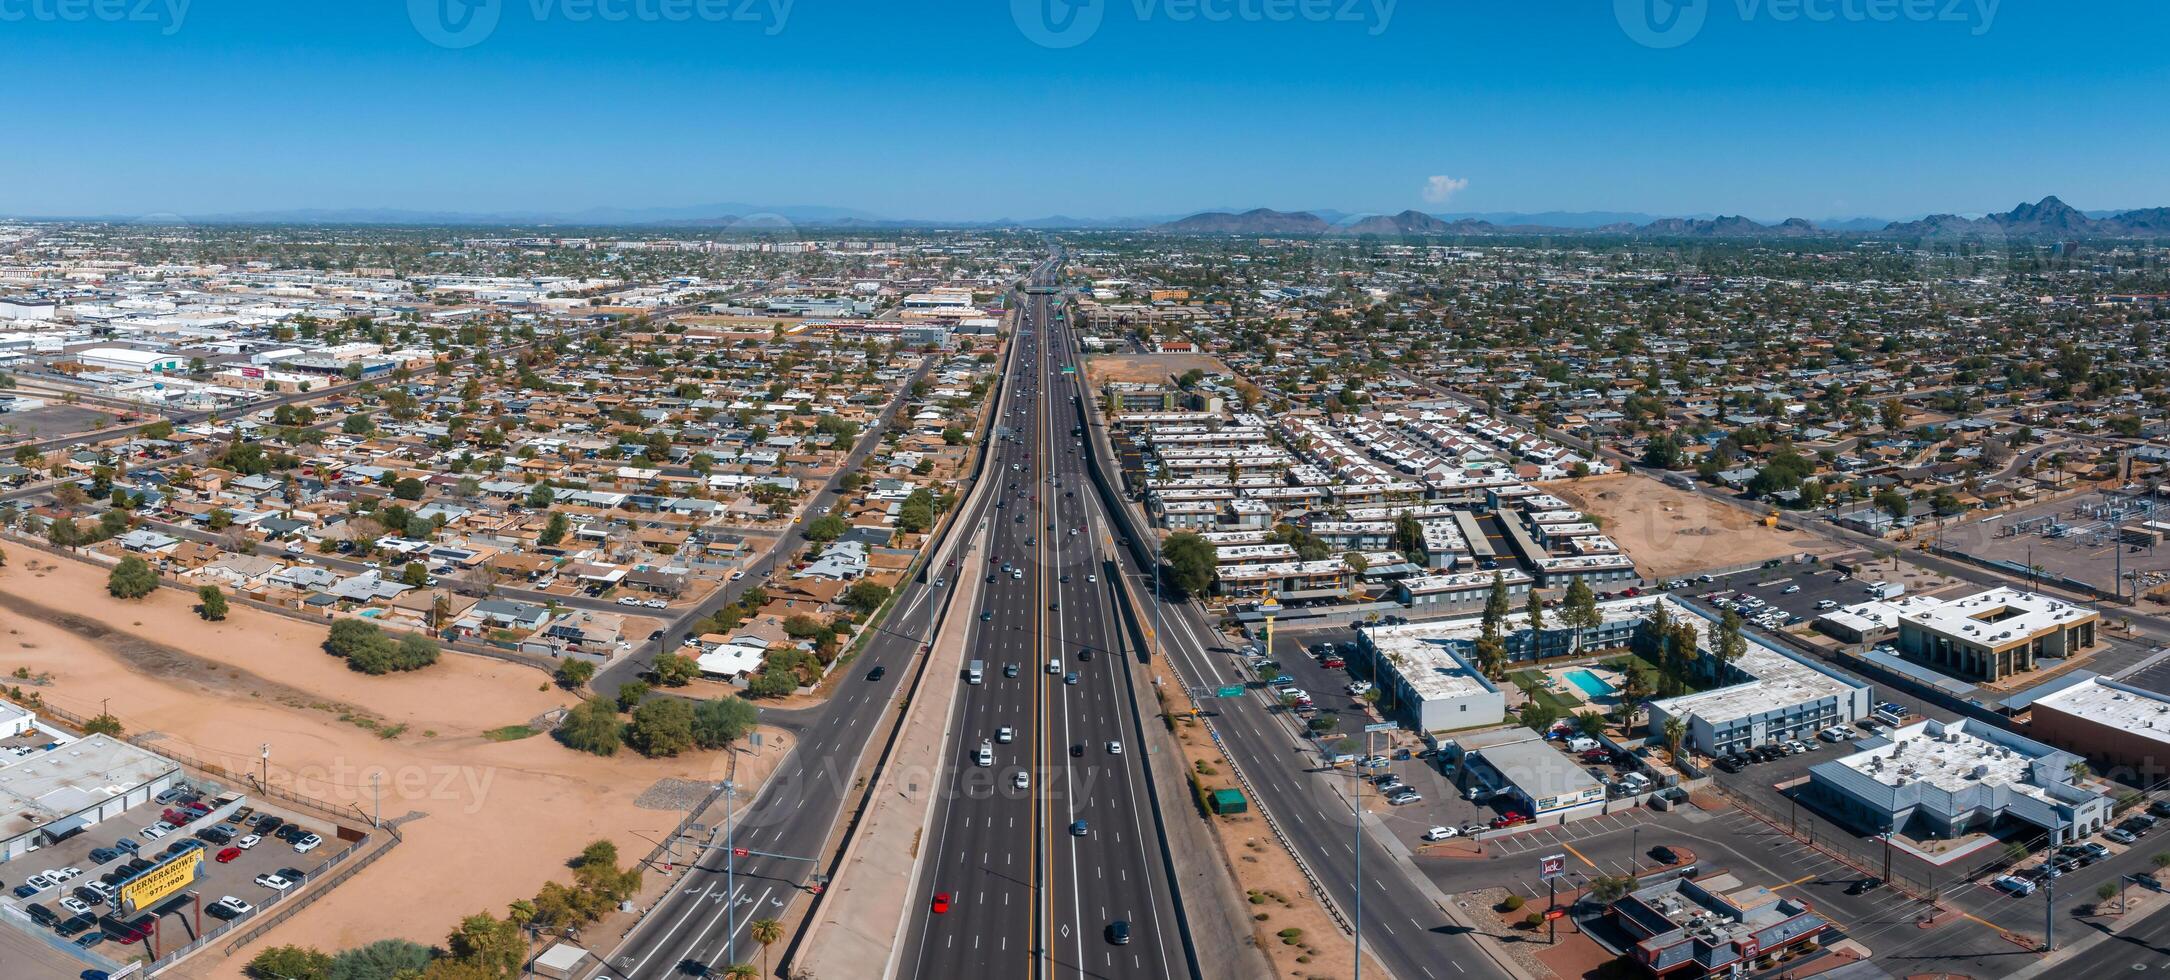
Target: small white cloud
1440, 188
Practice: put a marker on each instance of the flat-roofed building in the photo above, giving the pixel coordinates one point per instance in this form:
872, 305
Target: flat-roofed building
53, 793
1935, 779
1431, 679
1992, 635
1420, 591
1715, 925
1531, 771
2124, 731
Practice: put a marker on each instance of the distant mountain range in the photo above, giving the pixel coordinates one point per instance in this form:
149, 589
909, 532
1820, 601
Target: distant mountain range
2048, 218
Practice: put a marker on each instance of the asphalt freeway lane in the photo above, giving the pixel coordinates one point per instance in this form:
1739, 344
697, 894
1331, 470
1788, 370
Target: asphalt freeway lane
981, 851
1060, 610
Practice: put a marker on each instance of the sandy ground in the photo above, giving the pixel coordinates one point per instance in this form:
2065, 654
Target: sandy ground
1149, 368
486, 822
1673, 532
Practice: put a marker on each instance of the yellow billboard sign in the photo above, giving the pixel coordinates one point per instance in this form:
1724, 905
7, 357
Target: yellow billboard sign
159, 883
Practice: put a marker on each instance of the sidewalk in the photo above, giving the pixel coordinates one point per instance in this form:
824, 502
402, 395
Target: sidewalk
2122, 925
862, 920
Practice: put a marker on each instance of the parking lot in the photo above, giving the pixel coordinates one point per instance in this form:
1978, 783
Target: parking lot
71, 887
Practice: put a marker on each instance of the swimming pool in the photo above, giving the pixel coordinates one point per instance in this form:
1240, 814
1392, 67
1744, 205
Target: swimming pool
1591, 684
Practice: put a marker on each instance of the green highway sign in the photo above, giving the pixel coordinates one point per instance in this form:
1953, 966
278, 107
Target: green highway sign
1231, 691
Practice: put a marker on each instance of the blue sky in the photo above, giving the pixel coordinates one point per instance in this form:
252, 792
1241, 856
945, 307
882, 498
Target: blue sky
946, 109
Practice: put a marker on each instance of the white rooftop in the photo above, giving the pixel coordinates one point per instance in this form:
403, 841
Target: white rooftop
1997, 616
2142, 713
1951, 760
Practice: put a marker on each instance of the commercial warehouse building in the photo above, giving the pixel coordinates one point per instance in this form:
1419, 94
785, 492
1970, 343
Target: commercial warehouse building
2123, 731
54, 793
130, 359
1936, 779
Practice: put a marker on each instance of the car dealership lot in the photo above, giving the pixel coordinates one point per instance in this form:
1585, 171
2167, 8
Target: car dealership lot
99, 855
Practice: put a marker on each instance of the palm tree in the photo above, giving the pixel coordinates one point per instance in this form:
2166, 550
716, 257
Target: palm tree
766, 931
743, 971
1675, 731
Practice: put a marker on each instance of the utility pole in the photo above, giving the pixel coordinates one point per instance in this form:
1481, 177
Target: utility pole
2049, 904
1357, 826
730, 872
376, 792
263, 765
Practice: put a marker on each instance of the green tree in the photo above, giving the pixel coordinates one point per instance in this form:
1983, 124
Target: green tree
210, 603
916, 514
415, 575
1190, 560
385, 959
592, 726
490, 944
1731, 644
631, 694
721, 721
414, 652
1495, 607
675, 670
358, 424
1539, 716
291, 963
1578, 611
765, 932
661, 727
1533, 608
407, 488
133, 578
554, 530
865, 597
827, 527
573, 672
104, 724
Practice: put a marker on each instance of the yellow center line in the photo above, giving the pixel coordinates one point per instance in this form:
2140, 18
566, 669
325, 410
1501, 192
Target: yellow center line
1578, 855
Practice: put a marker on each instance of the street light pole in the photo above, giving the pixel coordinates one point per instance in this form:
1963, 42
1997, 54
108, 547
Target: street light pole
730, 872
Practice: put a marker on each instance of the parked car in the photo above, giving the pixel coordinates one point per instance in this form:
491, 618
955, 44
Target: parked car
274, 882
228, 855
1440, 833
1510, 819
2121, 835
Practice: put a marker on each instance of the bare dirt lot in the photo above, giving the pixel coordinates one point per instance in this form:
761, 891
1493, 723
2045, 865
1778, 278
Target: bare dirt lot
486, 821
1672, 532
1148, 368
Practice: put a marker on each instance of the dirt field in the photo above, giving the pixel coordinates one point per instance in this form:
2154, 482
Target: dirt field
1148, 368
486, 822
1672, 532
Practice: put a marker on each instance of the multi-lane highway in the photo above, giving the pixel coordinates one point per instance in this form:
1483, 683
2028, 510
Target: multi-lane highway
1046, 850
702, 925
